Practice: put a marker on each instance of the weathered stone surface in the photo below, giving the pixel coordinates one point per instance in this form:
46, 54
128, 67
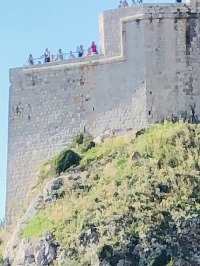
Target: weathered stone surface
105, 263
23, 251
183, 248
124, 263
6, 262
29, 254
52, 190
14, 241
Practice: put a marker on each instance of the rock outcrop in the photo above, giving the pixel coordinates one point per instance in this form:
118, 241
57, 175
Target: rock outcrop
29, 254
136, 204
22, 251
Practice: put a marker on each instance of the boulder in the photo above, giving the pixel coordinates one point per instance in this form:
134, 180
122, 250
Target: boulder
52, 191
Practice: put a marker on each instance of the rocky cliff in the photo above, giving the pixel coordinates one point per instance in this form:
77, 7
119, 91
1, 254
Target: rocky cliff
132, 200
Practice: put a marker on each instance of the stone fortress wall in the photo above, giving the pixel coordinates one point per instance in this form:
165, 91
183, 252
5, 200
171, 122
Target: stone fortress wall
148, 69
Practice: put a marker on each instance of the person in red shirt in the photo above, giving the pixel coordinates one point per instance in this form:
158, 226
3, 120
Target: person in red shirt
93, 48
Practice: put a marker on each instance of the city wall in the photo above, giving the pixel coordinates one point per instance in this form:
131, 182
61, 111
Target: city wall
148, 69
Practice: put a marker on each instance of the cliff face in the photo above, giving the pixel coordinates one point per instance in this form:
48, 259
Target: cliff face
132, 200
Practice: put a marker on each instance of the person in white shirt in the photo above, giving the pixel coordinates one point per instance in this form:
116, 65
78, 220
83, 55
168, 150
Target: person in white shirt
59, 55
71, 55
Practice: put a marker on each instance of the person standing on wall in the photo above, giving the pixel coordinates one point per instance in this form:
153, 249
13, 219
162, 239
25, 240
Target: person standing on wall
80, 51
93, 48
89, 52
125, 3
71, 55
120, 4
59, 55
30, 60
47, 56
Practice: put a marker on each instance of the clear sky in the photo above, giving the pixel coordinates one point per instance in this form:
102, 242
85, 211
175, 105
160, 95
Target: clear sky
31, 26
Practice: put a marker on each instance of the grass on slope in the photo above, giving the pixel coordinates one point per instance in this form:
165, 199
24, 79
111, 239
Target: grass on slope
1, 249
154, 179
4, 236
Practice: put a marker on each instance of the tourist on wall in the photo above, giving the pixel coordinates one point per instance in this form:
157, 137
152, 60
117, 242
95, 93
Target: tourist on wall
47, 56
125, 3
80, 51
120, 4
71, 55
89, 52
30, 60
59, 55
93, 48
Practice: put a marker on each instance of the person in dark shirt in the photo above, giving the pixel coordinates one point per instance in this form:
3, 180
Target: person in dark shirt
30, 60
125, 3
47, 56
120, 4
80, 51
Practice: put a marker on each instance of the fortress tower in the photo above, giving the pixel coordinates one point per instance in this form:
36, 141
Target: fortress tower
149, 69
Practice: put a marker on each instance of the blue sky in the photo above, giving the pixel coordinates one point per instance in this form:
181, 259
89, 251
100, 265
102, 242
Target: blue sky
31, 26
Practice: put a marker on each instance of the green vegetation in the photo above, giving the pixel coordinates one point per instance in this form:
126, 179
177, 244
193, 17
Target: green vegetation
82, 143
152, 181
2, 240
67, 158
59, 164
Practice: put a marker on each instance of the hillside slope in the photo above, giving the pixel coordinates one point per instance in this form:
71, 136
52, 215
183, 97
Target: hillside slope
133, 200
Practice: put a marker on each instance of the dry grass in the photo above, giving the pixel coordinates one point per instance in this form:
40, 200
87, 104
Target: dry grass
4, 237
169, 156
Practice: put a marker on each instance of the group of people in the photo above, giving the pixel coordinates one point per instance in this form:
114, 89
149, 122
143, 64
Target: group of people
124, 3
92, 50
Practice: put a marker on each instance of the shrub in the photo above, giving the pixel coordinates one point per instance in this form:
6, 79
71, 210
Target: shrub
66, 159
1, 259
59, 164
79, 138
82, 143
87, 145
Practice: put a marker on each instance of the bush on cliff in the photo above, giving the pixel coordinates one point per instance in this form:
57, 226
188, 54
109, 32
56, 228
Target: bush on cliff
1, 239
59, 164
82, 143
137, 189
67, 158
